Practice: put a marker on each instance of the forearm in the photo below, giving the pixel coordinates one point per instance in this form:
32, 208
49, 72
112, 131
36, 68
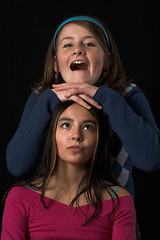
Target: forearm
23, 149
133, 122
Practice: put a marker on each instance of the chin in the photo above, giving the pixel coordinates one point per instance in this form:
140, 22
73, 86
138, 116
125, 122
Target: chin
79, 78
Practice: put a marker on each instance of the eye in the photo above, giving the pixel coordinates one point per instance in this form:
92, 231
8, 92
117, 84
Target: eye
89, 44
65, 125
88, 127
67, 45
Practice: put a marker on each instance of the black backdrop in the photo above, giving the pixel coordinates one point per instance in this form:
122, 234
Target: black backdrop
27, 30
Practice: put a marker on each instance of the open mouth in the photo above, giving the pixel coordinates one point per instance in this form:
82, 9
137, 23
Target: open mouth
78, 65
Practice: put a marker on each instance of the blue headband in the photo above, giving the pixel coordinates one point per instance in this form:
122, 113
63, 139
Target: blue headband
81, 18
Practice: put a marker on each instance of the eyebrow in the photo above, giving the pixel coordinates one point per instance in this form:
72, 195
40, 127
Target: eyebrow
70, 37
71, 120
66, 119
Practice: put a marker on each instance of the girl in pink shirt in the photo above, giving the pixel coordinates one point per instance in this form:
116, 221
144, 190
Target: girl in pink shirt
72, 193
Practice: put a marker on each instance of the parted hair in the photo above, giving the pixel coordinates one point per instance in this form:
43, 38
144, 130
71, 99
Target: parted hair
98, 173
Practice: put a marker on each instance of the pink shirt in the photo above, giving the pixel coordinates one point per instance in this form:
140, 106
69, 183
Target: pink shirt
25, 217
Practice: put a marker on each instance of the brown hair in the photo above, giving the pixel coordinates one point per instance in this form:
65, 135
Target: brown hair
114, 76
98, 175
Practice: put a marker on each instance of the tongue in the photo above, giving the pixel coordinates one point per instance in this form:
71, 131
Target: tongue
81, 66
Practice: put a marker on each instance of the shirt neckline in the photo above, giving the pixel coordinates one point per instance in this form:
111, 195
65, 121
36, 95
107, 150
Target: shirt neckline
48, 199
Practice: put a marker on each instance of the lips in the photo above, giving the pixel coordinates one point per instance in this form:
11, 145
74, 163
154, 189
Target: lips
75, 148
79, 65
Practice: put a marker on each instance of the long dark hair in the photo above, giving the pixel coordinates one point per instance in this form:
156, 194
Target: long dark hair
114, 76
98, 170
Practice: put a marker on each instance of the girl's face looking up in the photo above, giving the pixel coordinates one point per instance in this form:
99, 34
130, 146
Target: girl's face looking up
76, 135
79, 54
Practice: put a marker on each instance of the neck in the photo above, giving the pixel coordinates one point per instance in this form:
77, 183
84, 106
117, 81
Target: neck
68, 175
64, 183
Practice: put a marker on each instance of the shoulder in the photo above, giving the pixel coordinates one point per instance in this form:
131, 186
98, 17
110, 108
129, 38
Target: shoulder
114, 192
121, 192
131, 90
24, 198
125, 202
16, 199
16, 204
17, 192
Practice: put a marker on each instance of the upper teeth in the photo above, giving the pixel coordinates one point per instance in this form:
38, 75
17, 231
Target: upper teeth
78, 62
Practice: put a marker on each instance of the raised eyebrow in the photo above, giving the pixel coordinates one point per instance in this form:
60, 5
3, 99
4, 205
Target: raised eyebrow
90, 121
70, 37
66, 119
90, 36
71, 120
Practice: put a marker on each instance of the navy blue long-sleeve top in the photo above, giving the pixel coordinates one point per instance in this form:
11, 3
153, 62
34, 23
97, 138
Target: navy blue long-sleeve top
135, 135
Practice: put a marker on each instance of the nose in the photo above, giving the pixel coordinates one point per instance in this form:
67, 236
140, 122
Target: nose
77, 135
79, 50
